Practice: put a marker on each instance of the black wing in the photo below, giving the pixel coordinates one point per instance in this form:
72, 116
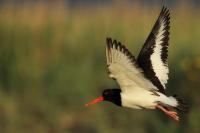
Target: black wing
153, 56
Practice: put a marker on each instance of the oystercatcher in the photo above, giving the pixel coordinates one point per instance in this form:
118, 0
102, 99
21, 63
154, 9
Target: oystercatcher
142, 80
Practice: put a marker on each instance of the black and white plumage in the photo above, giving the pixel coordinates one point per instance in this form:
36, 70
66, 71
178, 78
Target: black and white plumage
153, 56
142, 81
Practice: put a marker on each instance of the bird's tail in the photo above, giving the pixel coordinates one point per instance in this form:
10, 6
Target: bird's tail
181, 104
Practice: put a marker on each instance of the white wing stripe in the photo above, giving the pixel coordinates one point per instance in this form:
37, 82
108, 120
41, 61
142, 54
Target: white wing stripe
161, 70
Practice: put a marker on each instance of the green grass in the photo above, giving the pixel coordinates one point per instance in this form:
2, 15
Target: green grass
52, 61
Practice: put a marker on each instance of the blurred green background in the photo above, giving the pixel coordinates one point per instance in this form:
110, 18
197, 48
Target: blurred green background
52, 62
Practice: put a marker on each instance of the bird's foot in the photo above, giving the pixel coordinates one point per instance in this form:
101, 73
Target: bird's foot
171, 114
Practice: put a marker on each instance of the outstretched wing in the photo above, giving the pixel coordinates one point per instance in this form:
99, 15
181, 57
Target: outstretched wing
123, 67
153, 56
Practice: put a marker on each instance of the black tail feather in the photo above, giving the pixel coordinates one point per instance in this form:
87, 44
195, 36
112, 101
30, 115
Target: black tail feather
182, 104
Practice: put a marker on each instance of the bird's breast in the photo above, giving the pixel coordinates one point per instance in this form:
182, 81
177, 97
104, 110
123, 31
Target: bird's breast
138, 98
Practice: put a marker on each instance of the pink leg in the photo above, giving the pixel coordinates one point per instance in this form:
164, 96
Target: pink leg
171, 114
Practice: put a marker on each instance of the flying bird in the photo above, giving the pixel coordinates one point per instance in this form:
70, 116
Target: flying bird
142, 81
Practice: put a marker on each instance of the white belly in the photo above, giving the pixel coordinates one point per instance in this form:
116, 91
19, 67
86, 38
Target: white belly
139, 98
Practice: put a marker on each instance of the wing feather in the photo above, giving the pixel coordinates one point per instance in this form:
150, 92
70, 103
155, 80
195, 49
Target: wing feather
123, 67
153, 56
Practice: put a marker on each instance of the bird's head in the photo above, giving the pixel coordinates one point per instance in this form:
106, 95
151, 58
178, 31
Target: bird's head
111, 95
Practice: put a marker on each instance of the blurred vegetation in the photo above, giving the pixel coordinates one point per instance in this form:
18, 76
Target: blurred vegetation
52, 62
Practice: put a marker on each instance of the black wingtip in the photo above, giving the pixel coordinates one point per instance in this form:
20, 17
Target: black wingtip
165, 12
108, 39
164, 6
111, 42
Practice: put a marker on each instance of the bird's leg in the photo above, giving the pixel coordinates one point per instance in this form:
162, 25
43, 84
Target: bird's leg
171, 114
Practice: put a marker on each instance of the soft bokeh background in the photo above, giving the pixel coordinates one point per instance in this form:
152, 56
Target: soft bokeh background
52, 62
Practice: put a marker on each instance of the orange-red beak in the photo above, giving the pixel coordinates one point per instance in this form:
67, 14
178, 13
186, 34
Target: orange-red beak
97, 100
